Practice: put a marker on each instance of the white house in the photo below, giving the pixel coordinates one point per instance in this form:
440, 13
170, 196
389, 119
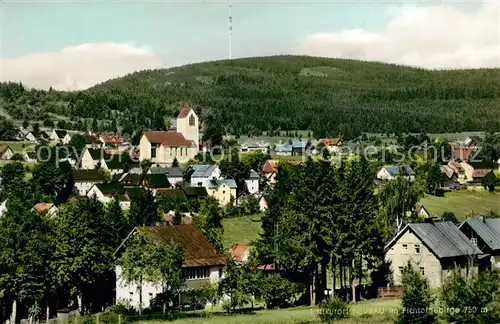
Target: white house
203, 264
3, 208
252, 182
85, 179
60, 136
6, 153
29, 137
200, 175
29, 157
264, 203
105, 193
390, 172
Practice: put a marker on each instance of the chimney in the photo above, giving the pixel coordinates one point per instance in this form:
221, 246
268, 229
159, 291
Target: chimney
483, 219
429, 220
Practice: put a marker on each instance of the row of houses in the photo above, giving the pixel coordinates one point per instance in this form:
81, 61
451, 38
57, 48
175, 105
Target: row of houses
438, 248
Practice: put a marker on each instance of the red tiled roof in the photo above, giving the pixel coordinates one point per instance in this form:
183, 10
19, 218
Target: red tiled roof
184, 112
480, 173
112, 138
238, 251
330, 141
295, 163
169, 139
269, 167
463, 153
43, 207
198, 251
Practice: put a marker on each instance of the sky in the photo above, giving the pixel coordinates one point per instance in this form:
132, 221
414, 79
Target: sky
72, 45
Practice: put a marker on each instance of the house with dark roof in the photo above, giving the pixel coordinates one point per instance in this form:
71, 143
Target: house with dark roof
30, 157
164, 147
485, 234
203, 263
222, 189
60, 136
435, 248
156, 181
299, 147
85, 179
252, 182
106, 192
198, 175
390, 172
283, 149
450, 178
195, 192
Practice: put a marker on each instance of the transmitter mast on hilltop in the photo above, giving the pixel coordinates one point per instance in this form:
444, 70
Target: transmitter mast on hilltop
230, 32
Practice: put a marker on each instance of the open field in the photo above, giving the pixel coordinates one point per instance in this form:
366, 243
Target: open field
241, 230
464, 204
19, 147
372, 311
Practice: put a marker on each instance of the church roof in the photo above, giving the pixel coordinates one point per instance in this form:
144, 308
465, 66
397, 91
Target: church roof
169, 139
184, 112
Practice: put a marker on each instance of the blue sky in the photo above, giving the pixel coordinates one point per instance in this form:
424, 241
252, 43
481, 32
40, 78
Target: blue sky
428, 34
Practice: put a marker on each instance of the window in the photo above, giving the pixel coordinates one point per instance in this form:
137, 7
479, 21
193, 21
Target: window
422, 271
199, 184
401, 270
474, 241
405, 248
153, 151
223, 192
220, 272
192, 120
196, 273
131, 293
417, 249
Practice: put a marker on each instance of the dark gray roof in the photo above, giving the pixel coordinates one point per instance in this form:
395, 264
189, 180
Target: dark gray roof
395, 170
157, 170
444, 239
488, 230
175, 172
253, 175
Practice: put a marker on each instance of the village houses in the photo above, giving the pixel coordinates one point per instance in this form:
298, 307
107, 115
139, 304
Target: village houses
485, 234
435, 248
85, 179
60, 136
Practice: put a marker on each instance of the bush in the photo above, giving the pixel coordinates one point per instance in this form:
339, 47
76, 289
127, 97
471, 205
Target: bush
416, 300
333, 308
476, 298
277, 291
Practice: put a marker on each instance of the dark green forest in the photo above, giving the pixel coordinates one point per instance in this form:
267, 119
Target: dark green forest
252, 95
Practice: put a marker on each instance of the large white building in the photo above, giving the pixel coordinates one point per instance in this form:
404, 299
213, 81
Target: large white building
183, 144
203, 264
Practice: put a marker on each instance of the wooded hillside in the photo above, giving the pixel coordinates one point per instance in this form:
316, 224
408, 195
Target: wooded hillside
247, 96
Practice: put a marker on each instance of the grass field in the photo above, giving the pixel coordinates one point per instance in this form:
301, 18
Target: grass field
241, 230
19, 147
372, 311
464, 204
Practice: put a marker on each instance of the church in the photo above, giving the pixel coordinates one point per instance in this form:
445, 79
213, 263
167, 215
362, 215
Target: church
163, 147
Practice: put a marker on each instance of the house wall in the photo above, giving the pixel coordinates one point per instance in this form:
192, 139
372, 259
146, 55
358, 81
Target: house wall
252, 185
53, 136
82, 187
174, 180
399, 257
144, 148
127, 292
191, 133
87, 162
66, 139
263, 204
264, 150
165, 155
30, 137
382, 174
223, 194
468, 170
495, 261
271, 177
283, 153
195, 181
8, 154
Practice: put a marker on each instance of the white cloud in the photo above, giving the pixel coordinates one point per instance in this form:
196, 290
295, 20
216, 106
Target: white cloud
78, 67
432, 37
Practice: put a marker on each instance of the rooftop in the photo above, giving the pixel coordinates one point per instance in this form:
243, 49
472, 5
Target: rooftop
201, 170
395, 170
488, 229
217, 183
169, 139
198, 251
87, 175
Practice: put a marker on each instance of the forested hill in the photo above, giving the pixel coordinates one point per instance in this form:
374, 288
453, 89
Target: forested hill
251, 95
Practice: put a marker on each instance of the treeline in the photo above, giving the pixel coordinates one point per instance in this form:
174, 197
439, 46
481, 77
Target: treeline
250, 96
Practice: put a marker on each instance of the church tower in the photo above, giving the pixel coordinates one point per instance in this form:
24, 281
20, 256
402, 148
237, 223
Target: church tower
188, 125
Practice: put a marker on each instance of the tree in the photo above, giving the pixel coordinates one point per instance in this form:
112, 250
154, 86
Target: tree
209, 221
36, 129
147, 258
434, 179
144, 210
177, 219
95, 125
120, 226
276, 290
53, 179
399, 197
449, 217
490, 181
175, 163
416, 300
84, 251
13, 182
476, 297
77, 145
48, 123
26, 124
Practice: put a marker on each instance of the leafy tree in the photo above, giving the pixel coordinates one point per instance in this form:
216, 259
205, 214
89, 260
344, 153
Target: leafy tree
209, 221
177, 219
490, 181
84, 251
149, 259
434, 179
53, 179
175, 163
276, 290
416, 300
144, 210
475, 297
26, 124
450, 217
17, 157
120, 226
13, 182
77, 145
48, 123
36, 129
95, 125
